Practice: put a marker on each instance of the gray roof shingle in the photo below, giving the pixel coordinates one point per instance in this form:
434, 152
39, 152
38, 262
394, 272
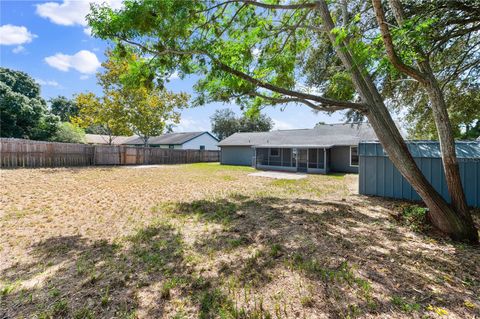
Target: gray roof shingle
322, 135
168, 138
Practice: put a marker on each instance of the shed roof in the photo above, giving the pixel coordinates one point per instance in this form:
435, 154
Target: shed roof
464, 149
322, 135
169, 138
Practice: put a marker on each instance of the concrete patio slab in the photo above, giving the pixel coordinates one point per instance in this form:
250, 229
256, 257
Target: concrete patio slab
145, 166
279, 175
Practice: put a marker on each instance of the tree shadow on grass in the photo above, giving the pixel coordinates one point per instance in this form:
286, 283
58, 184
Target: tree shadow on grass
390, 267
73, 277
355, 261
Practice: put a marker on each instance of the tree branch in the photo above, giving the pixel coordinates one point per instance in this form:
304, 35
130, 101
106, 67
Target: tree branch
293, 6
389, 47
224, 67
322, 100
297, 100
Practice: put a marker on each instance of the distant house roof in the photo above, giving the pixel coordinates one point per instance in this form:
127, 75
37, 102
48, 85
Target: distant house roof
104, 139
169, 138
322, 135
464, 149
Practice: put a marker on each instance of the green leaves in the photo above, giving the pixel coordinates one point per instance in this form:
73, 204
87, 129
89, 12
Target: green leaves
23, 112
189, 36
340, 87
132, 101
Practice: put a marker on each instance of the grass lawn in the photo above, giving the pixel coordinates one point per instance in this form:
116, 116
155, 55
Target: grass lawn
208, 241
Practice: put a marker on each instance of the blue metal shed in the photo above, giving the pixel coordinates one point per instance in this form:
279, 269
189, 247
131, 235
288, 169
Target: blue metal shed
378, 176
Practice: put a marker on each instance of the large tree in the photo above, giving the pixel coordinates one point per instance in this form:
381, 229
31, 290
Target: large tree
254, 51
63, 107
106, 112
141, 108
151, 110
148, 108
23, 112
225, 122
418, 50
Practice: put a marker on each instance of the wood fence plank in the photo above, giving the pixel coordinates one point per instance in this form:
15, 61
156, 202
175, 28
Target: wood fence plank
28, 153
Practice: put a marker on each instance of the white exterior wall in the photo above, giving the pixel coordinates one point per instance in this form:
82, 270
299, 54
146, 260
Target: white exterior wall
204, 139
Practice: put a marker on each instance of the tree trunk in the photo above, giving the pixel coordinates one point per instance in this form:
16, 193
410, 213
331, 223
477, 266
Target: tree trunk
443, 125
447, 147
441, 214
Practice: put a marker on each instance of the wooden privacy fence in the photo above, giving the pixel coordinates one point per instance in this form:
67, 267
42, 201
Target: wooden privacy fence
27, 153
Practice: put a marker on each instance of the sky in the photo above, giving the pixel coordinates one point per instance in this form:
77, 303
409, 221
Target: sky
50, 40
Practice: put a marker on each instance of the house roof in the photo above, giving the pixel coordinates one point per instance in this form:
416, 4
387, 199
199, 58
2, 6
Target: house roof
322, 135
464, 149
103, 139
169, 138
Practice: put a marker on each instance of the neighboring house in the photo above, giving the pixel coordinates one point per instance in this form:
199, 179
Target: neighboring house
104, 139
323, 149
183, 140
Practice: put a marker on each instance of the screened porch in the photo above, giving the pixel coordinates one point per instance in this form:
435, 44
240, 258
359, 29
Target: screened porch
293, 159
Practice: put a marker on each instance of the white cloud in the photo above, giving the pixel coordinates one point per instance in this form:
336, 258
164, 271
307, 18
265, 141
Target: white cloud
84, 77
15, 35
71, 12
18, 49
174, 76
188, 125
47, 82
88, 31
282, 125
83, 61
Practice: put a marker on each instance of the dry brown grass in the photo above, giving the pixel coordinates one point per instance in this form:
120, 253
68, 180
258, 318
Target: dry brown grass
205, 241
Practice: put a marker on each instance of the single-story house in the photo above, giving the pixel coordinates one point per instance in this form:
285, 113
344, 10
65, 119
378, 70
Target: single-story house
323, 149
105, 139
182, 140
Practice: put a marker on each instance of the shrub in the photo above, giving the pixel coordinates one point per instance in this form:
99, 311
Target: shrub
69, 133
415, 217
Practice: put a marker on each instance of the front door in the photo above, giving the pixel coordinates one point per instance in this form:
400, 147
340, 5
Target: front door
302, 160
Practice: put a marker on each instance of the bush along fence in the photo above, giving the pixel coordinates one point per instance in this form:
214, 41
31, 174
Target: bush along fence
27, 153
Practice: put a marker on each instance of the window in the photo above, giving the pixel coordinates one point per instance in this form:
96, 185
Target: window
202, 147
274, 152
171, 146
353, 156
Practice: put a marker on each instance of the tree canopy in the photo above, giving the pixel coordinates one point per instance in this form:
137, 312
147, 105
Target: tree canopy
63, 108
23, 112
263, 53
105, 112
225, 123
145, 110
